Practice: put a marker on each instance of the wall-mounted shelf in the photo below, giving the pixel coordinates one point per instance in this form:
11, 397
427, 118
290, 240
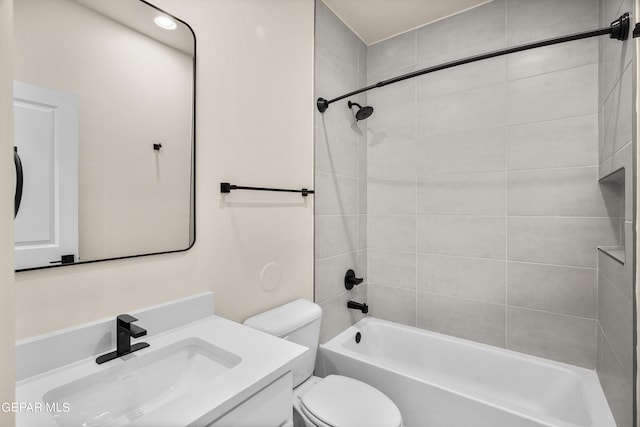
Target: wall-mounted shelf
615, 252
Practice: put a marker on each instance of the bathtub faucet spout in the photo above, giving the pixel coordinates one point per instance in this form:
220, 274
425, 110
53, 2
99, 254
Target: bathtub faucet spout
363, 307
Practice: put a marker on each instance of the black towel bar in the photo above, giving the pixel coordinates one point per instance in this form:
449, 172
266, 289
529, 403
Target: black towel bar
225, 187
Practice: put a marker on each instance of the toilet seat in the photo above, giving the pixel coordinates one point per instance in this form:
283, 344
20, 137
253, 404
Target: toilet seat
338, 401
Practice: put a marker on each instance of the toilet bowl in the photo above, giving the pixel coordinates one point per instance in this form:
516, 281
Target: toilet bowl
337, 401
333, 401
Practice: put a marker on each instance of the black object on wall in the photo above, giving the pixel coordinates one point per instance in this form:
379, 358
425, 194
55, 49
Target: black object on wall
17, 199
363, 112
363, 307
225, 187
65, 259
619, 30
350, 280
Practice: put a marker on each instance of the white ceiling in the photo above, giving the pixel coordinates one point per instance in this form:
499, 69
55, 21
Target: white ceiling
376, 20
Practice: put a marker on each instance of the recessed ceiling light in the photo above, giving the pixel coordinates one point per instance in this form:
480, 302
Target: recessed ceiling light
165, 23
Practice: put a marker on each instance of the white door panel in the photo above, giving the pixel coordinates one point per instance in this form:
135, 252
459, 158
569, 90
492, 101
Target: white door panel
35, 147
46, 134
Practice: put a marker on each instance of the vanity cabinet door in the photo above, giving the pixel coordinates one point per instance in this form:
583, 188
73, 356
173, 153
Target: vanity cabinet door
270, 407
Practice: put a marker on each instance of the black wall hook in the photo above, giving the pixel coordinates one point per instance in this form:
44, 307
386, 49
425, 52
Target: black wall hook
157, 147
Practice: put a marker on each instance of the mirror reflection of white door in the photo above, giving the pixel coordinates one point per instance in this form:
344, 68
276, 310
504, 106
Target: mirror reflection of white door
46, 136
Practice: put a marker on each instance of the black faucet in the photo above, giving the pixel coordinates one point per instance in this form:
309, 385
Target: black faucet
125, 330
363, 307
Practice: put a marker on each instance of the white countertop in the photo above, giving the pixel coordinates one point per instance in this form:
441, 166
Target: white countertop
265, 358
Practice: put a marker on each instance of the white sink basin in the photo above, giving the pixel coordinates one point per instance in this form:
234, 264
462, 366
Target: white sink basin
138, 383
191, 375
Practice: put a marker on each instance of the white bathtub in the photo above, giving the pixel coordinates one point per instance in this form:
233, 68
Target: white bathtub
440, 381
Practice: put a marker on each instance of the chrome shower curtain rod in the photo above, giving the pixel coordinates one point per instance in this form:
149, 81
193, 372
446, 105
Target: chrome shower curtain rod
619, 30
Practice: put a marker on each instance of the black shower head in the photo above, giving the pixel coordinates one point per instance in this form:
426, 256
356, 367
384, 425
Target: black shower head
363, 112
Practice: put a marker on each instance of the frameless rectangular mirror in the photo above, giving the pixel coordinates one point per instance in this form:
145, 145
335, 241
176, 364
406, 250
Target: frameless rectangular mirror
104, 119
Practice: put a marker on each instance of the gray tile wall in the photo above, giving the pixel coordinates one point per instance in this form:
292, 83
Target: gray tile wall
484, 207
470, 200
615, 276
340, 173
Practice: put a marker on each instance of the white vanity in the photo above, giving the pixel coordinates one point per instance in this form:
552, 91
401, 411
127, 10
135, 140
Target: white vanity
199, 370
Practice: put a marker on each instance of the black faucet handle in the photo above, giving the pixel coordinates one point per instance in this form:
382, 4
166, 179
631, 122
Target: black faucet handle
137, 331
350, 279
126, 319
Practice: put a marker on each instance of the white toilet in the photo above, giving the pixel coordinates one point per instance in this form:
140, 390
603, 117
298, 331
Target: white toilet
334, 401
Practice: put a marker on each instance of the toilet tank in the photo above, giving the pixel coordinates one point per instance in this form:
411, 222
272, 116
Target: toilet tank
298, 322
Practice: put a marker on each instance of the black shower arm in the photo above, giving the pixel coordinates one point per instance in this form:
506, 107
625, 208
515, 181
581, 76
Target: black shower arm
619, 30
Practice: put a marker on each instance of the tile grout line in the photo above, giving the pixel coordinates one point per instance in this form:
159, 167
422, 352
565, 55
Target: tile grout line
365, 63
381, 179
506, 198
358, 166
476, 258
417, 164
495, 216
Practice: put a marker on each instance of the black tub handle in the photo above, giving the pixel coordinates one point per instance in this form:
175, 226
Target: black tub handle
19, 181
350, 279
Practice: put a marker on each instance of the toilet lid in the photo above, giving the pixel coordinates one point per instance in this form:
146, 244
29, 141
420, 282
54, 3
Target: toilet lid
340, 401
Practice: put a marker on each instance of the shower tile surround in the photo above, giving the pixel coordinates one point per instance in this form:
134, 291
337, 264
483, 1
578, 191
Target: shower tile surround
479, 207
615, 276
340, 174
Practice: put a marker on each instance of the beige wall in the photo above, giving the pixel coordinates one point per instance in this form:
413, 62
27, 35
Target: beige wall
133, 92
7, 354
254, 127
